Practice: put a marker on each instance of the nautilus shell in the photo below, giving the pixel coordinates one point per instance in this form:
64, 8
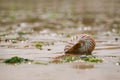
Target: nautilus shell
80, 44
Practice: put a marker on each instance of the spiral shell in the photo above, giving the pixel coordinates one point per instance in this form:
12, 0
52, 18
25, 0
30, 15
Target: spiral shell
80, 44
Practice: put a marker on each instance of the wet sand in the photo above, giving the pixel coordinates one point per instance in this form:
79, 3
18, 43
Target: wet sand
107, 70
59, 72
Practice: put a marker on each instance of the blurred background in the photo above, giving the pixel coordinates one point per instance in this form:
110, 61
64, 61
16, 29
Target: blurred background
91, 16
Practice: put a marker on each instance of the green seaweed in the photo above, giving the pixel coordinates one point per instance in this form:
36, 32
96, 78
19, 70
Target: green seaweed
65, 59
91, 59
16, 59
3, 34
12, 17
68, 35
22, 33
68, 59
86, 58
38, 45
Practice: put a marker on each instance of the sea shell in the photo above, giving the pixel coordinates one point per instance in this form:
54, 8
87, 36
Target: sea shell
80, 44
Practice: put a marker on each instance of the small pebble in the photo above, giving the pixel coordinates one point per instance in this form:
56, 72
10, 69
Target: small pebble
118, 63
49, 49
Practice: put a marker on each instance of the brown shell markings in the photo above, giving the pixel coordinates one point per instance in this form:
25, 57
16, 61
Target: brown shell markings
80, 44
